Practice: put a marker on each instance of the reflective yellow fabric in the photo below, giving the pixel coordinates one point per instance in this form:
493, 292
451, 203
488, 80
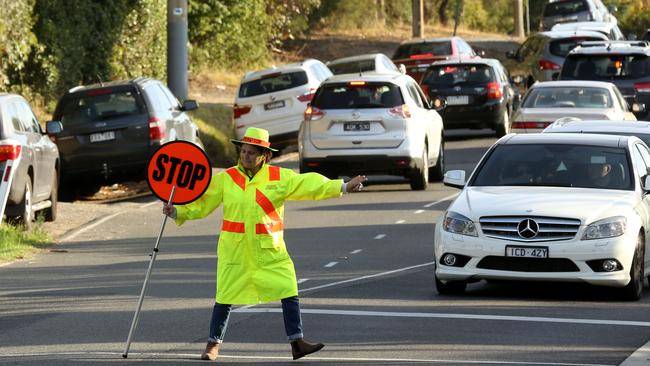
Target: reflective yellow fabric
253, 268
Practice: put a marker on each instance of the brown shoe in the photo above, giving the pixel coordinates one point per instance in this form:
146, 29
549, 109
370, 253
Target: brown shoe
211, 351
300, 348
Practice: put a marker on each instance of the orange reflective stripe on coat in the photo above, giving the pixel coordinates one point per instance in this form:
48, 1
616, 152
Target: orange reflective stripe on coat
266, 205
237, 177
274, 173
233, 227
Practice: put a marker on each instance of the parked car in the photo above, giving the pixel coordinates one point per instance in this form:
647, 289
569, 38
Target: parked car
478, 93
608, 29
275, 99
639, 129
542, 54
36, 175
374, 62
549, 101
563, 11
417, 55
624, 63
372, 124
549, 207
111, 129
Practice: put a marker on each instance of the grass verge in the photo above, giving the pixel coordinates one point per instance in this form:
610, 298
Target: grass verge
15, 243
216, 130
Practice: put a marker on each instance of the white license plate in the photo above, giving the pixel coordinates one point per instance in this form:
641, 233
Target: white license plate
457, 99
356, 126
274, 105
526, 252
102, 136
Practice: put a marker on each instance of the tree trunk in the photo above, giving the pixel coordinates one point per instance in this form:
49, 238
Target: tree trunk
442, 12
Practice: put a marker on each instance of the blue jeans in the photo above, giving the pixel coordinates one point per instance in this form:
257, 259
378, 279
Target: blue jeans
290, 312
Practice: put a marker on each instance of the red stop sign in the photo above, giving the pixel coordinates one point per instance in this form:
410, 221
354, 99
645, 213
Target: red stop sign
179, 164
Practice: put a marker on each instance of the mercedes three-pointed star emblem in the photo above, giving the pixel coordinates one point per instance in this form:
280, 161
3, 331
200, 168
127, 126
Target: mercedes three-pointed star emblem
528, 228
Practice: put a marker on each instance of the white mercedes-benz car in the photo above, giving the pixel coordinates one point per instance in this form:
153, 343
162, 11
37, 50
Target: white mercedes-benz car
550, 207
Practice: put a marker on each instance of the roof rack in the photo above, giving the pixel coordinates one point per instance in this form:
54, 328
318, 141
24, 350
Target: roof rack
609, 44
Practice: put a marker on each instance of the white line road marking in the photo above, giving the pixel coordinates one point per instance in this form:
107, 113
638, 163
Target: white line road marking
330, 264
91, 226
419, 211
356, 251
440, 200
380, 236
151, 204
627, 323
192, 356
302, 280
639, 357
400, 221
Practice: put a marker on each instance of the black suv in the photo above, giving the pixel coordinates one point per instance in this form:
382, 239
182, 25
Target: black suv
624, 63
111, 129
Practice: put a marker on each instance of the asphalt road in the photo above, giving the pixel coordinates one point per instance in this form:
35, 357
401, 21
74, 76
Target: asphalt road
365, 271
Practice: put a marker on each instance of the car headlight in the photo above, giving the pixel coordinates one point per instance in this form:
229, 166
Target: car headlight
459, 224
606, 228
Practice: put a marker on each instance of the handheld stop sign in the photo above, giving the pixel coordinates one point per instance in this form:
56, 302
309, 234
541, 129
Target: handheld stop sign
179, 164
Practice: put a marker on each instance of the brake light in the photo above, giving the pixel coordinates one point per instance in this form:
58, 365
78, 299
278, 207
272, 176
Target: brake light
424, 55
9, 152
156, 129
308, 96
401, 111
548, 65
357, 83
642, 87
240, 110
96, 92
531, 125
494, 91
313, 114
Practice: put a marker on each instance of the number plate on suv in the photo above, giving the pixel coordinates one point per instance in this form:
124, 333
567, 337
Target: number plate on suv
274, 105
526, 252
356, 126
102, 136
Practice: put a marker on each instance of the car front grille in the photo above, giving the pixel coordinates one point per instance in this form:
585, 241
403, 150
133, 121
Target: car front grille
529, 228
516, 264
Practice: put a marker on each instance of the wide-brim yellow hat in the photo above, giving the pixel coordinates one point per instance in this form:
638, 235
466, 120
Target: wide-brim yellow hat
255, 136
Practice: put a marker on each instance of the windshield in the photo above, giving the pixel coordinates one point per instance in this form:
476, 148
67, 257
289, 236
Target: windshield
449, 75
272, 83
561, 47
606, 67
425, 48
352, 67
565, 7
568, 97
556, 165
97, 105
371, 95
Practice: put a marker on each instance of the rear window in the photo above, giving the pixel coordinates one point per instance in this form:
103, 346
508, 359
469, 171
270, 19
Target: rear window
565, 7
606, 67
462, 74
424, 48
568, 97
352, 67
345, 96
99, 105
561, 47
273, 83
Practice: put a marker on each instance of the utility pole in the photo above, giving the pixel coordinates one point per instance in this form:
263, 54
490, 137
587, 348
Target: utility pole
418, 18
177, 48
518, 12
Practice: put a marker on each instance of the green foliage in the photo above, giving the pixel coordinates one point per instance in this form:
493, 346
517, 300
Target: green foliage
216, 130
16, 43
348, 15
16, 243
289, 18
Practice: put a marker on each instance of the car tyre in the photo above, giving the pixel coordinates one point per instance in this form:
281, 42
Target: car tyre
420, 177
503, 126
437, 173
26, 214
450, 287
633, 290
50, 212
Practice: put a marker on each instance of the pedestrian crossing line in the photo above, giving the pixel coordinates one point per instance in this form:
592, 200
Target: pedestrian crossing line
380, 236
400, 221
302, 280
440, 200
330, 264
418, 212
356, 251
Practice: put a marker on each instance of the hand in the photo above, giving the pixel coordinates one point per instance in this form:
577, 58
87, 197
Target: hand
356, 184
169, 210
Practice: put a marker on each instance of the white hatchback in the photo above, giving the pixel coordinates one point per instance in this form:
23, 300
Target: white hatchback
275, 99
372, 124
373, 62
553, 207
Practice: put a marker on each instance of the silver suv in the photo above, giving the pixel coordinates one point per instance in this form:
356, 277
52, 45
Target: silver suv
564, 11
372, 124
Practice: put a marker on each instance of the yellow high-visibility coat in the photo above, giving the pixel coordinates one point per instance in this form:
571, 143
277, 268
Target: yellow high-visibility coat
253, 265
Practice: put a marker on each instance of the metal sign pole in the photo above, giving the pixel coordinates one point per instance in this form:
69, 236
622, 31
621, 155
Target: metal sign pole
134, 323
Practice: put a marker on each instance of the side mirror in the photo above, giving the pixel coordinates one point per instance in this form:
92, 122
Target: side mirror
612, 9
53, 127
454, 178
555, 76
190, 105
646, 183
438, 104
511, 55
402, 69
638, 107
518, 80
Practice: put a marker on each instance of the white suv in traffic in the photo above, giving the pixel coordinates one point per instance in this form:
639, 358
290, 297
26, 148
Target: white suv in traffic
275, 99
372, 124
553, 207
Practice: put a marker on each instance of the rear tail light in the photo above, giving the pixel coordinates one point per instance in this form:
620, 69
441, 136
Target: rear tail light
9, 152
530, 125
308, 96
313, 114
240, 110
400, 111
424, 55
548, 65
494, 91
642, 87
156, 129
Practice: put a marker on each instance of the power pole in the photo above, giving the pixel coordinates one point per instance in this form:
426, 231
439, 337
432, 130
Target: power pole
177, 48
418, 18
518, 12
